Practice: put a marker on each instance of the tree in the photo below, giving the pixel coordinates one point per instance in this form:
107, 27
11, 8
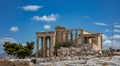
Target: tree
61, 44
30, 46
10, 48
18, 49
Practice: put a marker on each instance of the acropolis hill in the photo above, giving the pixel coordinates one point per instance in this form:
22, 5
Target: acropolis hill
86, 50
79, 38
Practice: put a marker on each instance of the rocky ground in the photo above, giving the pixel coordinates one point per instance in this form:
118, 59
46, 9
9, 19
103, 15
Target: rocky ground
84, 61
64, 61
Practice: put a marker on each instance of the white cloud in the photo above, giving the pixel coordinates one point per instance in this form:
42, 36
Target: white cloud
110, 43
104, 37
7, 39
107, 30
86, 17
47, 26
116, 36
107, 42
116, 44
115, 23
31, 7
14, 29
52, 17
24, 44
117, 26
100, 24
116, 30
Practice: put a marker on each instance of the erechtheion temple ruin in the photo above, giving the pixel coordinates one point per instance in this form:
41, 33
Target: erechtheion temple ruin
79, 38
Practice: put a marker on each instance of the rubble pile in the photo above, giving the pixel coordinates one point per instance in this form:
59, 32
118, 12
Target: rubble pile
85, 61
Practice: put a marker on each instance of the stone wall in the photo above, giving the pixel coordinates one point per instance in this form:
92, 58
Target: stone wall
15, 62
73, 51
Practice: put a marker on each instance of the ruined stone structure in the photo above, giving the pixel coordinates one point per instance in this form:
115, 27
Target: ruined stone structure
79, 38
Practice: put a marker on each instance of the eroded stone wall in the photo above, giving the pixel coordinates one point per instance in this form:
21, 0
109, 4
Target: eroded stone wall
15, 62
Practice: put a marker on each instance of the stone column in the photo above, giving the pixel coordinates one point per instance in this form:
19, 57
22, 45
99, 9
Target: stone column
44, 46
51, 47
61, 35
101, 43
90, 40
76, 39
37, 46
71, 37
82, 38
58, 36
66, 36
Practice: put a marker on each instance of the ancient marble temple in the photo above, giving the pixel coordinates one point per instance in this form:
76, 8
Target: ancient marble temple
79, 38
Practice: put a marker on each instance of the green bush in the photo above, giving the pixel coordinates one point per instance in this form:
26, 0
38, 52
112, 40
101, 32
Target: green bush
61, 44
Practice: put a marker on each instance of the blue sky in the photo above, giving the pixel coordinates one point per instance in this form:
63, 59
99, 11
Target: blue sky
20, 19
